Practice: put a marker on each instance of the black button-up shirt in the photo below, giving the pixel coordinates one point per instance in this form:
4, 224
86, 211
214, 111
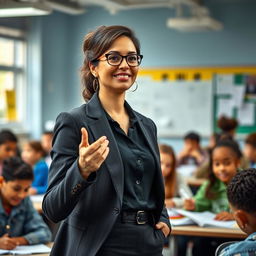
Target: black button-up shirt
138, 162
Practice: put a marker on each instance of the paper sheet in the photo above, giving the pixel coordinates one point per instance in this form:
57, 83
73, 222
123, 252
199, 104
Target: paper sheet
246, 114
27, 249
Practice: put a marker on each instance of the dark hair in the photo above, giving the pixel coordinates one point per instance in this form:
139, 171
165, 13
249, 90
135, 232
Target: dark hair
14, 168
251, 139
7, 135
227, 124
37, 146
192, 136
170, 180
241, 190
234, 147
95, 44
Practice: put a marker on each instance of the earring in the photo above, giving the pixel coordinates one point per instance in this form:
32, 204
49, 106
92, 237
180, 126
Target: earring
136, 86
95, 84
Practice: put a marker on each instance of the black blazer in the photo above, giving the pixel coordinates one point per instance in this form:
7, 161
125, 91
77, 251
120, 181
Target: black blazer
89, 208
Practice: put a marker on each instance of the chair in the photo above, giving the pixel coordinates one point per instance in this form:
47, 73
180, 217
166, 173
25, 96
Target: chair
222, 246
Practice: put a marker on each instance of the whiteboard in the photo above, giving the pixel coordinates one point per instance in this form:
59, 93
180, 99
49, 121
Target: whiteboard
175, 107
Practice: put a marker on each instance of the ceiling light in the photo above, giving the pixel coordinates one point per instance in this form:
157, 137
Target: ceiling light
16, 9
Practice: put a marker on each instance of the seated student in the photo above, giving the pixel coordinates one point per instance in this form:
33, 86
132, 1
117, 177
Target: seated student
242, 197
33, 154
8, 146
192, 153
20, 223
212, 195
46, 141
176, 189
250, 149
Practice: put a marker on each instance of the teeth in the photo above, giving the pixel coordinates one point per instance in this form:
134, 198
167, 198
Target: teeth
124, 76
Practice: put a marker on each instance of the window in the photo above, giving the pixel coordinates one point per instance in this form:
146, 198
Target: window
12, 77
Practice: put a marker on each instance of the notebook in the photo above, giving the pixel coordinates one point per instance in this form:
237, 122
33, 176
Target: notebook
27, 249
202, 219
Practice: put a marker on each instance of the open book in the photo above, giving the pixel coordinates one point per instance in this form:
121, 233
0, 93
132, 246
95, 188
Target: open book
27, 249
202, 219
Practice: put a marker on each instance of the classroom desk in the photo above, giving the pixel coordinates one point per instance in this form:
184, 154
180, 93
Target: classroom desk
193, 230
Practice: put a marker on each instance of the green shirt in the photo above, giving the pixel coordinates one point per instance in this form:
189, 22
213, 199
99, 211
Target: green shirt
216, 205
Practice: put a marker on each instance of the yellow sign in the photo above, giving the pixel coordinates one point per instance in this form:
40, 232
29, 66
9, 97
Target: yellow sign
11, 105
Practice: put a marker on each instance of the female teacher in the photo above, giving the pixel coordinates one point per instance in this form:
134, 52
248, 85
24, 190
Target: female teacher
105, 181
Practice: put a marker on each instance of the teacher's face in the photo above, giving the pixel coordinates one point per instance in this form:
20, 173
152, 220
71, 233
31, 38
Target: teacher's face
117, 78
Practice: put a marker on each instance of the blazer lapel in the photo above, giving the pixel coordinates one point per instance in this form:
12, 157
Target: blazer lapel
99, 126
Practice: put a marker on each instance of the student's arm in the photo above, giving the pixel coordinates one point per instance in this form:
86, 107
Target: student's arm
7, 243
201, 202
184, 192
35, 229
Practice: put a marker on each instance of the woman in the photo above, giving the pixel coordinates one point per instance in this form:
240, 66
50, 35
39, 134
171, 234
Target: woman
105, 179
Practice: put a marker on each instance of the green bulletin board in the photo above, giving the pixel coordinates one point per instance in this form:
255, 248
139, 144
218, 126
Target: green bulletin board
235, 96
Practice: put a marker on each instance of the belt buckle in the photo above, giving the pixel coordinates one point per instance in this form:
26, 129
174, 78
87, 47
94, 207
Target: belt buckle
140, 222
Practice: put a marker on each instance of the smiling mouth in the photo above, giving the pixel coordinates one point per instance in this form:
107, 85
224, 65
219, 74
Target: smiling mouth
123, 76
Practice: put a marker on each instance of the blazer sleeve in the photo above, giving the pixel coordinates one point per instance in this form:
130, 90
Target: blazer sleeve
65, 181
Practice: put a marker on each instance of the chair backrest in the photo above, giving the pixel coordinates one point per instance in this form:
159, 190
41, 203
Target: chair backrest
222, 246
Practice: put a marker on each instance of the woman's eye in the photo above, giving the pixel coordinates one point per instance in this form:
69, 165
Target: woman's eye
114, 57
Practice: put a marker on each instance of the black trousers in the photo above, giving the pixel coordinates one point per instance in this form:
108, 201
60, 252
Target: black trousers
131, 239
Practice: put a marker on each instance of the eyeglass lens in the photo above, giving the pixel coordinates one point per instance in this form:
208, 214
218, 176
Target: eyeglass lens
116, 59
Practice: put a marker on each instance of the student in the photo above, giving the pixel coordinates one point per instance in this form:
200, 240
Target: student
176, 189
250, 149
242, 197
212, 195
33, 154
20, 223
192, 153
8, 146
46, 141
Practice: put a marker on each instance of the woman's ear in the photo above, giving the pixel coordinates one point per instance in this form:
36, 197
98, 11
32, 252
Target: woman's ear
93, 69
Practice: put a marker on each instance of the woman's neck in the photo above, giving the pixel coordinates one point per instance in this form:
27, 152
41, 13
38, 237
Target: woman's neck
112, 103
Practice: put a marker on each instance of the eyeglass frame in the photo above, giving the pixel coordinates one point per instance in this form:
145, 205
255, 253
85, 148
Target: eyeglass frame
123, 57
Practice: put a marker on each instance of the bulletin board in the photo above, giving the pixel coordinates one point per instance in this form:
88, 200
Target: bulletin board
235, 96
181, 99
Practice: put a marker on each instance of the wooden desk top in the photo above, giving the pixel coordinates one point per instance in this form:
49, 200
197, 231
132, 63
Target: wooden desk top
193, 230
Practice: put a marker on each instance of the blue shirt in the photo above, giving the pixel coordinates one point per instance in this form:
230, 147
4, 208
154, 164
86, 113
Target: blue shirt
40, 181
24, 221
243, 248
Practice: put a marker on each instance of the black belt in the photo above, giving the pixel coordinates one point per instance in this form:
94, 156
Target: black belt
137, 217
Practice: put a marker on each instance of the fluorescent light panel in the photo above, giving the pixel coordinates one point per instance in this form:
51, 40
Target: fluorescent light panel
23, 9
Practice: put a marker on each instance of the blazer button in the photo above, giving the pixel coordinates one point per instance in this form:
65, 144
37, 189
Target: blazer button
116, 211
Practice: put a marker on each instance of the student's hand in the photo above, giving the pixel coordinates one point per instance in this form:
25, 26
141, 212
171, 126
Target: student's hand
32, 191
91, 156
197, 155
169, 203
189, 204
164, 228
224, 216
7, 243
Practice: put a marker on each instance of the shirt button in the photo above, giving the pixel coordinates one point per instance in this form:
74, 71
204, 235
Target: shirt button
137, 182
139, 161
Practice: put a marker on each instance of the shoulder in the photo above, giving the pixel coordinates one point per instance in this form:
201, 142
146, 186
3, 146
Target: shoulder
73, 114
243, 248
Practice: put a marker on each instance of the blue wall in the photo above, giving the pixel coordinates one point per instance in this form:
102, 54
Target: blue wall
62, 37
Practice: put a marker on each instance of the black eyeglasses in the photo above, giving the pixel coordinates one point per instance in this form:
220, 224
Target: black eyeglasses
115, 59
